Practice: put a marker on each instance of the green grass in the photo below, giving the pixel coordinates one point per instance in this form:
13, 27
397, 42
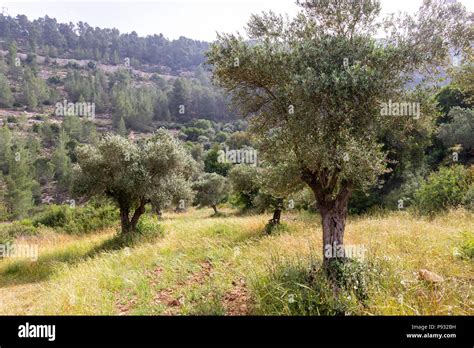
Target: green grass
197, 264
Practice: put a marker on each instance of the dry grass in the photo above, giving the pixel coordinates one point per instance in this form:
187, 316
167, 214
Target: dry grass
212, 265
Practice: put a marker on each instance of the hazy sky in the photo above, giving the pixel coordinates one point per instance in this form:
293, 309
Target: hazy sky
196, 19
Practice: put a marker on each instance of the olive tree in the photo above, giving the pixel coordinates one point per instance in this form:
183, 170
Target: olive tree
315, 89
278, 181
133, 174
265, 187
245, 185
211, 189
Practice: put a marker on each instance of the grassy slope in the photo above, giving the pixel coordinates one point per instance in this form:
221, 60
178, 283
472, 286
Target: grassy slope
214, 265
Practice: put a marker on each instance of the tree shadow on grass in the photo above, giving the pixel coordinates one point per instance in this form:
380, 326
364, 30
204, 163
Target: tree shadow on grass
27, 271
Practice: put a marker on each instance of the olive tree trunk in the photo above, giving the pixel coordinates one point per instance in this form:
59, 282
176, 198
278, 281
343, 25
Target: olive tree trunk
332, 199
276, 216
333, 221
130, 225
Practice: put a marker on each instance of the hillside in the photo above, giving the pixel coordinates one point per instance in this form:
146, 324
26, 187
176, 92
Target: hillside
337, 166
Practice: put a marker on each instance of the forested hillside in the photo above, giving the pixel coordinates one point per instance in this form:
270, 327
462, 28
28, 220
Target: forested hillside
63, 84
45, 36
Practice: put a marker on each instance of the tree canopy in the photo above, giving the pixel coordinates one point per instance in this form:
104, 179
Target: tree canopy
134, 174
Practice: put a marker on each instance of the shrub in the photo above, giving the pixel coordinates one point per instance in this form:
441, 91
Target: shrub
8, 232
466, 249
149, 225
468, 201
5, 237
443, 189
148, 229
54, 216
77, 220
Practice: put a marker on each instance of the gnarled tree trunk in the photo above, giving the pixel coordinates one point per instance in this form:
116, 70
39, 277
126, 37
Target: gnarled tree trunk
130, 225
333, 210
276, 216
333, 221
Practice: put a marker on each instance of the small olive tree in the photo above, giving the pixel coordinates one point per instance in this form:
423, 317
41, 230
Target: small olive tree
133, 174
278, 181
314, 89
266, 187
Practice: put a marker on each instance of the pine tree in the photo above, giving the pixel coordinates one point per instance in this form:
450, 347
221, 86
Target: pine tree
3, 200
6, 97
12, 54
20, 184
115, 58
62, 162
5, 148
179, 101
122, 129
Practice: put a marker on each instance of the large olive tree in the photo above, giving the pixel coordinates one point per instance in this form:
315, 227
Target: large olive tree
132, 174
313, 88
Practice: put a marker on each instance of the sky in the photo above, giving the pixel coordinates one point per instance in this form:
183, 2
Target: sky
196, 19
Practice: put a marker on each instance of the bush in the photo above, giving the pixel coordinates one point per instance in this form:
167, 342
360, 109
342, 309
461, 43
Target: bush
468, 201
466, 249
443, 189
8, 232
54, 216
77, 220
148, 229
149, 225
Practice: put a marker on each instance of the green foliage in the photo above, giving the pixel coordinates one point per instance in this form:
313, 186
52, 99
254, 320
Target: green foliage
297, 74
8, 232
212, 165
35, 91
202, 124
463, 79
447, 98
245, 185
312, 88
149, 226
20, 184
466, 248
79, 129
6, 97
291, 288
410, 183
154, 171
62, 163
193, 133
239, 140
361, 201
211, 190
134, 105
54, 216
443, 189
5, 237
468, 201
459, 130
81, 41
77, 220
121, 128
